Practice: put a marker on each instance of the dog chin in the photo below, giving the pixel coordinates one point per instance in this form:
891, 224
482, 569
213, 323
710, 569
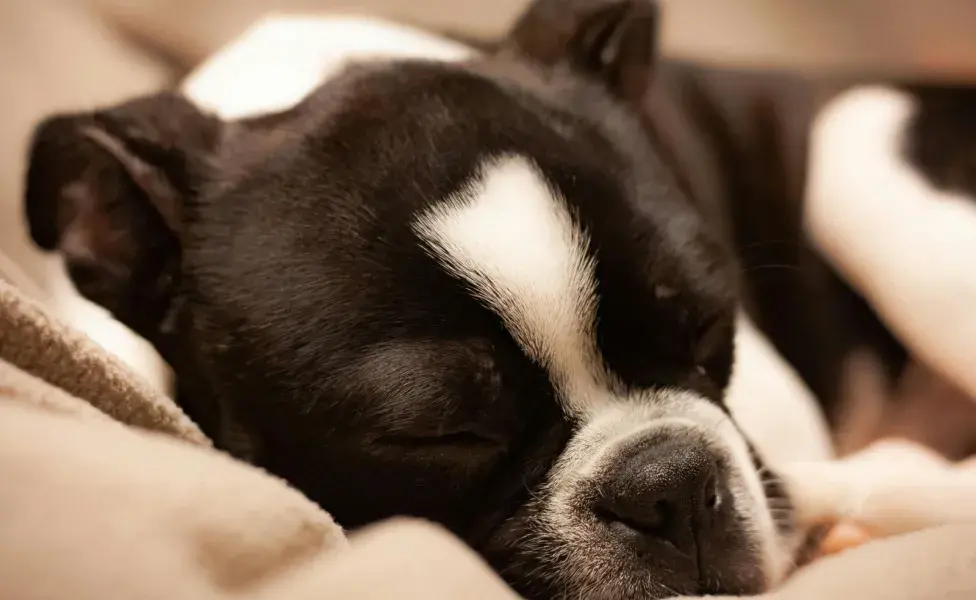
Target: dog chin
591, 562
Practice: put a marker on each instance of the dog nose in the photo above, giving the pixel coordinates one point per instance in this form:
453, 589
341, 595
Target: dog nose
666, 491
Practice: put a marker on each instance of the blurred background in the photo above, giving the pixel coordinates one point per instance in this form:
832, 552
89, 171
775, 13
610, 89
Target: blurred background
75, 54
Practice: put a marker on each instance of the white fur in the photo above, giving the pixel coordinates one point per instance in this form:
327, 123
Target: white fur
907, 247
772, 404
280, 60
511, 236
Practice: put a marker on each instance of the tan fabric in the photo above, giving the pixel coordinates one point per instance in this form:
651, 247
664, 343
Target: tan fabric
89, 510
933, 564
38, 344
27, 389
400, 559
936, 564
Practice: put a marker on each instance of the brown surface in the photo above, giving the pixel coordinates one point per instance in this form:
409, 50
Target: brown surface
930, 38
921, 407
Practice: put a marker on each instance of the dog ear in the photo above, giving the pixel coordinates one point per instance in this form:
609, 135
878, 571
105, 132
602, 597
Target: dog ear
106, 189
614, 41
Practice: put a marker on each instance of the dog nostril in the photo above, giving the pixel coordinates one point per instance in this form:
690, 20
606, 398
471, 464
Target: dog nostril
712, 498
660, 512
651, 522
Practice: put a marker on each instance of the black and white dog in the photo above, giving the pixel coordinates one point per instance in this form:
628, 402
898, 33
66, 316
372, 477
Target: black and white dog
499, 293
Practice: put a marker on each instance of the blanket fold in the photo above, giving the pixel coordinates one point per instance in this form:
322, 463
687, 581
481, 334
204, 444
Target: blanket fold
35, 342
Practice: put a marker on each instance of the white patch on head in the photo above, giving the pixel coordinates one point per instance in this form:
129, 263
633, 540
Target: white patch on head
510, 235
907, 247
277, 62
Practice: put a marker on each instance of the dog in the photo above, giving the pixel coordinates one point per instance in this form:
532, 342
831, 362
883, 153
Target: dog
500, 293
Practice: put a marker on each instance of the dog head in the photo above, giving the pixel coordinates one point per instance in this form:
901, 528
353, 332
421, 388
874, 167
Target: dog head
469, 292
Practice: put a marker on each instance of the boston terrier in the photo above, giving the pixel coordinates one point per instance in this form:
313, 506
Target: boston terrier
499, 292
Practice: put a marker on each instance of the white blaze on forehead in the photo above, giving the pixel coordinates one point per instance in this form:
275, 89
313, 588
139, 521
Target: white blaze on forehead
510, 235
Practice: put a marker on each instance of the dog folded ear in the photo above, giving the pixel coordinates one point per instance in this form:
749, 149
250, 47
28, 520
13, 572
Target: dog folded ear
614, 41
106, 189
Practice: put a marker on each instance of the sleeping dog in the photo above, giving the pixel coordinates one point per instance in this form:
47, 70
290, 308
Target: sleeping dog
499, 292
